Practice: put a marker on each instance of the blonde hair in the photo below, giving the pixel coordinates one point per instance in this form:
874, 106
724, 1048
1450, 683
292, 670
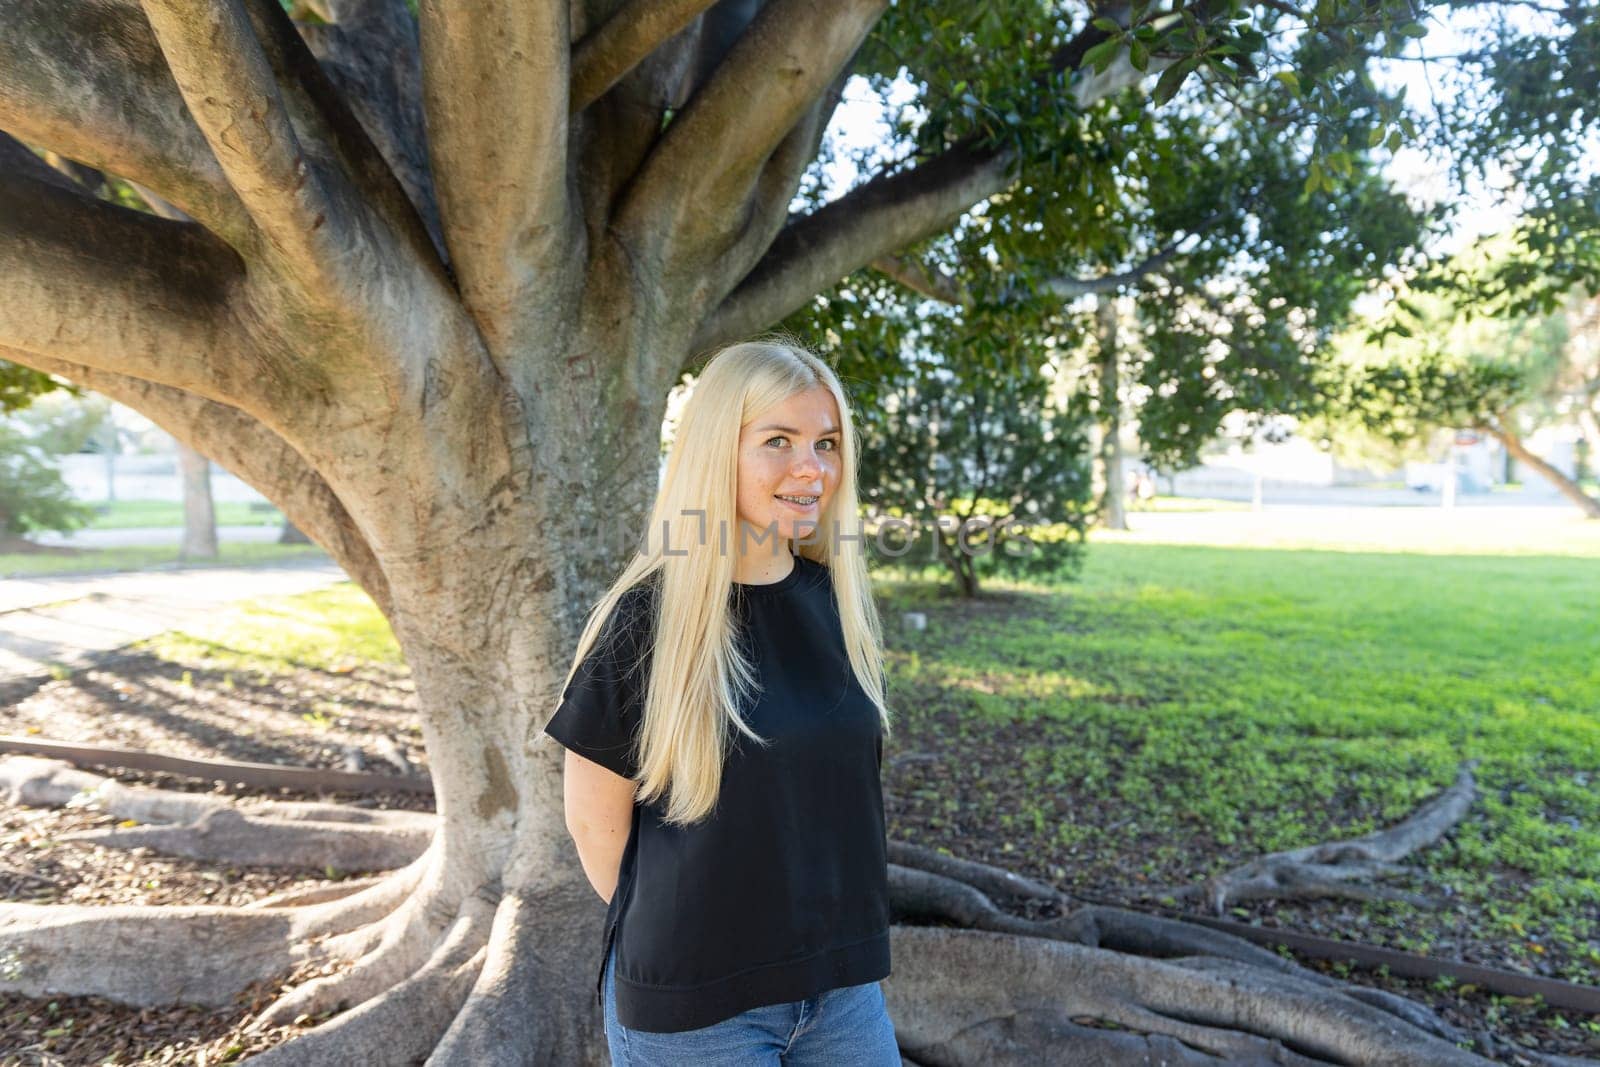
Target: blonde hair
698, 677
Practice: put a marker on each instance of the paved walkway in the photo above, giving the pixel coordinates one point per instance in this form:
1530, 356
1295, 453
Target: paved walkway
70, 619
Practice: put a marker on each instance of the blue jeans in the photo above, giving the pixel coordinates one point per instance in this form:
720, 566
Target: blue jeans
844, 1027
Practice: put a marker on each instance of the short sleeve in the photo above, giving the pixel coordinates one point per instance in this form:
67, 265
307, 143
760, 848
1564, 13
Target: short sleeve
603, 706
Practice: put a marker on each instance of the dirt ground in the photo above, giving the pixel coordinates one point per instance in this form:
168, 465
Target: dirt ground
311, 717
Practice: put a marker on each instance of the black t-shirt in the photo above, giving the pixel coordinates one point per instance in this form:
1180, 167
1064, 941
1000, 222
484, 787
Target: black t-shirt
782, 892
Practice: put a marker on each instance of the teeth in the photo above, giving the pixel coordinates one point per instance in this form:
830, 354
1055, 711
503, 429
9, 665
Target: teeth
798, 499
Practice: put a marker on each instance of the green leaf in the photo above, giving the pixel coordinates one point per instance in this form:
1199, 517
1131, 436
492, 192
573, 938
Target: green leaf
1413, 29
1139, 55
1108, 25
1172, 78
1291, 79
1101, 55
1314, 178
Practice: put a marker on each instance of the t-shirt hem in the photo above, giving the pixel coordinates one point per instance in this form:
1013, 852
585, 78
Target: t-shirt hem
672, 1009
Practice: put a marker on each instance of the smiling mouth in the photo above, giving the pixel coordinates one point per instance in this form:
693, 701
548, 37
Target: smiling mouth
798, 503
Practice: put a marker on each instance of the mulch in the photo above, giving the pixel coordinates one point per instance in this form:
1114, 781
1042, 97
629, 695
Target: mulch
311, 717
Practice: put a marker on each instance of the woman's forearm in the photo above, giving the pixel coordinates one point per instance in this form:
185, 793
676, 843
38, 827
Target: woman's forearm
600, 850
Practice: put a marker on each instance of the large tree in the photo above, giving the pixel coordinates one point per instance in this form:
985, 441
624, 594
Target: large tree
432, 282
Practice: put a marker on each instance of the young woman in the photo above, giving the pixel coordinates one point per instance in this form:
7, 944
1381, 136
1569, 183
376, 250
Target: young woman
724, 720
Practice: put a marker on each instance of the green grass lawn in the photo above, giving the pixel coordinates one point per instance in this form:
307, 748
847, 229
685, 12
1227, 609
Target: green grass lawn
140, 514
141, 557
1265, 699
1231, 701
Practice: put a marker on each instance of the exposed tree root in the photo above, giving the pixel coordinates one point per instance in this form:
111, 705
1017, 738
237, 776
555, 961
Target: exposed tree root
227, 835
404, 1025
926, 895
199, 954
317, 894
1019, 1038
993, 881
446, 973
386, 953
144, 956
208, 827
951, 1009
366, 906
1336, 869
918, 894
521, 1010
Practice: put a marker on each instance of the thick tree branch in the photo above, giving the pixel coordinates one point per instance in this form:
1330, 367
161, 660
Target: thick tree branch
710, 156
1068, 288
292, 194
372, 55
931, 281
248, 448
112, 288
880, 216
495, 81
1156, 263
892, 211
601, 59
774, 191
116, 109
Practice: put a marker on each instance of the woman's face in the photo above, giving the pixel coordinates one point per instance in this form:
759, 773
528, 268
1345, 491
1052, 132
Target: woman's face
791, 449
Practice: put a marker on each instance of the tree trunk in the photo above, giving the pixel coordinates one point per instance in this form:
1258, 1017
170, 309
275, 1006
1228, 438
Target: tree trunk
1113, 502
292, 535
1589, 423
199, 514
1569, 488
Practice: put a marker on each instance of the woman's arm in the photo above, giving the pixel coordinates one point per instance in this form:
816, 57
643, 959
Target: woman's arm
599, 810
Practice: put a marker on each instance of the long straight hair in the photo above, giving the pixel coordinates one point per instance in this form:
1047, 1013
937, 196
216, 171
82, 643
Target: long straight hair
698, 675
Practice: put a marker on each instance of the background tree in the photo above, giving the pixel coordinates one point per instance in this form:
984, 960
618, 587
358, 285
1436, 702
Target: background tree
33, 495
964, 439
1204, 255
434, 278
1439, 366
199, 513
1578, 381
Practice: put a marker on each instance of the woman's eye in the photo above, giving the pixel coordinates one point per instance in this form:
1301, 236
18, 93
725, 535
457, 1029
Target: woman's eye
833, 446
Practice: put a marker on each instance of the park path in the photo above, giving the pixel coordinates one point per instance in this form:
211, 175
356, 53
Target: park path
71, 619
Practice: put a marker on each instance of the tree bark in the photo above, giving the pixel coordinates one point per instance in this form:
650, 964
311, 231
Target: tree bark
1113, 502
1569, 488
